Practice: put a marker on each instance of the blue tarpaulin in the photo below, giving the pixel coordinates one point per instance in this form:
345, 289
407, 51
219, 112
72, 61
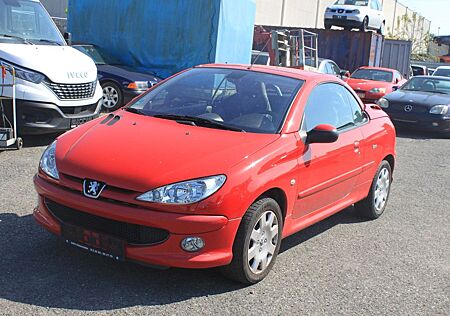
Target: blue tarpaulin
166, 36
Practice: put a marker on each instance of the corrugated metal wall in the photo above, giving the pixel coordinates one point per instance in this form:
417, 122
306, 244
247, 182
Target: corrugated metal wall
397, 55
166, 36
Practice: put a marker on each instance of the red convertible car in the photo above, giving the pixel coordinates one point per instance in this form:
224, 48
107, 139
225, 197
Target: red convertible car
373, 83
215, 166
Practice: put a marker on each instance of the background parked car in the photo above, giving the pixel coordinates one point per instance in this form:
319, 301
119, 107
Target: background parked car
120, 83
442, 71
327, 66
419, 70
260, 58
421, 103
356, 14
372, 83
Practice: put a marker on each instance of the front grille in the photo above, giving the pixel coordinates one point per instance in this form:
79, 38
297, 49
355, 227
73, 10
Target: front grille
416, 108
79, 110
132, 233
72, 91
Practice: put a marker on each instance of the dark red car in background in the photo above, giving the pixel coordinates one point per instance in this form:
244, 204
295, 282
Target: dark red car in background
215, 166
373, 83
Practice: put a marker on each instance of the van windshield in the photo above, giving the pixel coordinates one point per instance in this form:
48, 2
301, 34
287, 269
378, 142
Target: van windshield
27, 22
361, 3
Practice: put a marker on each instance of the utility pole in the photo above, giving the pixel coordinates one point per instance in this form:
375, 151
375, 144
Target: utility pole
317, 14
283, 7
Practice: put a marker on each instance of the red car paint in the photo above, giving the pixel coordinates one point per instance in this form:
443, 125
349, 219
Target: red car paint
140, 153
362, 87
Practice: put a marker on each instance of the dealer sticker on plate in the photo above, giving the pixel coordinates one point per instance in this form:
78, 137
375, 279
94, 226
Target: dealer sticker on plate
98, 243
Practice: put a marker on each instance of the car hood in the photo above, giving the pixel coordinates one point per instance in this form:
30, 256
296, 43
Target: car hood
140, 153
417, 97
127, 74
367, 85
61, 64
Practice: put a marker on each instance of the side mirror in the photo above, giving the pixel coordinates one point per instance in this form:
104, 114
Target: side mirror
395, 88
68, 38
345, 73
322, 134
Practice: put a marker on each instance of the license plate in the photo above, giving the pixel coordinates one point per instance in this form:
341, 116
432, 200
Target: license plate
78, 121
98, 243
340, 17
361, 95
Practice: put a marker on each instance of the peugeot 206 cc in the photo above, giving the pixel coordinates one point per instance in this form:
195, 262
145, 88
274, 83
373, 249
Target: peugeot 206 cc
214, 166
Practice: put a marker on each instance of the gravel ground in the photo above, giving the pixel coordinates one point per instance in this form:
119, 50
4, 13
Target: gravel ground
399, 264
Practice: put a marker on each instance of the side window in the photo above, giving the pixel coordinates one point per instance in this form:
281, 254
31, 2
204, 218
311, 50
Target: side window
329, 104
380, 6
336, 70
359, 116
373, 5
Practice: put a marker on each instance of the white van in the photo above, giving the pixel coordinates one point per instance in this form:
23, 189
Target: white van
57, 87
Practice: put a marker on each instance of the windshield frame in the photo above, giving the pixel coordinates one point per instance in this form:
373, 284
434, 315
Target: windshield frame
56, 38
296, 92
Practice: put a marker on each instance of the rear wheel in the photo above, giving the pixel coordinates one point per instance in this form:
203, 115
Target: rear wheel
328, 26
381, 29
374, 204
257, 242
348, 28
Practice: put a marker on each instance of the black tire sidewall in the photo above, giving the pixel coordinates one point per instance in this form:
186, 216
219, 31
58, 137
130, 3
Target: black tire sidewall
119, 92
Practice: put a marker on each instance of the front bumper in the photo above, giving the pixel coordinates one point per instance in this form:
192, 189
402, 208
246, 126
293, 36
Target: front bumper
344, 20
426, 122
218, 232
35, 118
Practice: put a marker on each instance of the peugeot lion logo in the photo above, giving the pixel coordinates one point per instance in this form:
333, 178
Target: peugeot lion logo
92, 188
408, 108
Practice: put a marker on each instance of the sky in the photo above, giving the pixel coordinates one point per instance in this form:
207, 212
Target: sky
438, 11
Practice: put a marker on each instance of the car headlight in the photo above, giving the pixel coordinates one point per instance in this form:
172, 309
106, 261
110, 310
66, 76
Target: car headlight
384, 103
139, 85
440, 109
378, 90
356, 11
48, 161
25, 74
328, 10
186, 192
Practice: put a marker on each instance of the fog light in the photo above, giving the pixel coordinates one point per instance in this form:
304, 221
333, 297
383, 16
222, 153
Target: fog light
435, 124
192, 244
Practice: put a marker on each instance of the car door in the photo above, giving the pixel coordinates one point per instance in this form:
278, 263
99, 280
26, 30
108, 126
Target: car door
329, 172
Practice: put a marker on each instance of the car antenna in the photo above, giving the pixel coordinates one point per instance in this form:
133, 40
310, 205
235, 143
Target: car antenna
259, 54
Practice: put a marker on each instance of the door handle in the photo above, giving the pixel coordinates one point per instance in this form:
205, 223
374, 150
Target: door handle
356, 147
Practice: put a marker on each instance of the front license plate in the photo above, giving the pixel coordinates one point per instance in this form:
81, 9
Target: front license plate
78, 121
340, 17
98, 243
361, 95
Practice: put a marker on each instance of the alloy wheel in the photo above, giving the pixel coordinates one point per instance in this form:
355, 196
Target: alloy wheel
110, 97
263, 242
382, 189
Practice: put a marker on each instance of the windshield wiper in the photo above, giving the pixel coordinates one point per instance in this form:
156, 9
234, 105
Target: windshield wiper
49, 41
18, 38
198, 121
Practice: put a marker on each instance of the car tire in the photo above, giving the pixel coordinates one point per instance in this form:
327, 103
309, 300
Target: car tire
348, 28
381, 29
373, 206
328, 26
112, 96
365, 24
257, 236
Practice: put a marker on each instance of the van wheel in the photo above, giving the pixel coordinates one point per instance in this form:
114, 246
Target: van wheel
257, 243
365, 25
112, 96
328, 26
381, 29
374, 204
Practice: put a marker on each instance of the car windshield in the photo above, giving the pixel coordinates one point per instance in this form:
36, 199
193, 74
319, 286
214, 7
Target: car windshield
226, 98
373, 74
428, 84
97, 56
361, 3
27, 22
444, 72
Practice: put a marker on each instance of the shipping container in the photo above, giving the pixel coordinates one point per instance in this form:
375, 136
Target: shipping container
397, 55
166, 36
350, 50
